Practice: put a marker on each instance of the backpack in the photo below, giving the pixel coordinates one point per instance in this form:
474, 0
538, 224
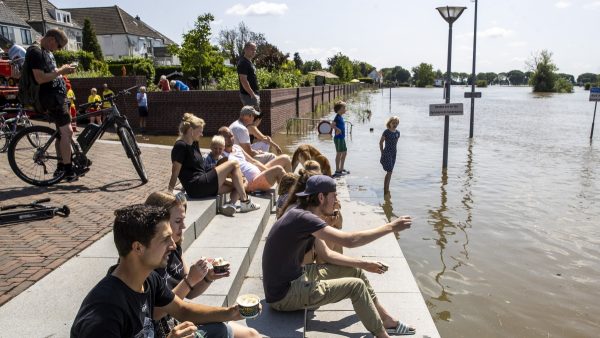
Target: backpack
29, 89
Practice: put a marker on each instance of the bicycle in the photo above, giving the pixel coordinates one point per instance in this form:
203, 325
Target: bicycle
9, 127
37, 162
31, 212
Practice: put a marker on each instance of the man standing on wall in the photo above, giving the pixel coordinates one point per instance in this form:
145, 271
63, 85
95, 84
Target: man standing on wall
247, 77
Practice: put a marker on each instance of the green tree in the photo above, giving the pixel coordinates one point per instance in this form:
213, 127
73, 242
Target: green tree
340, 65
298, 61
423, 75
232, 41
90, 41
269, 56
544, 71
516, 77
567, 77
396, 74
196, 53
311, 65
587, 78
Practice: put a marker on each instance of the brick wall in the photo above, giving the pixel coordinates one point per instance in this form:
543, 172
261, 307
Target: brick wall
217, 108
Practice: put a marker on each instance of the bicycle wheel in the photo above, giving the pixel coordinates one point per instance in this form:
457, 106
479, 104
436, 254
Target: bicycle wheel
34, 163
133, 152
4, 138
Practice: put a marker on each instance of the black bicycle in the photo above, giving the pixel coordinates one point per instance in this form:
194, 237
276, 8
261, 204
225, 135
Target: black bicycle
31, 212
32, 152
9, 127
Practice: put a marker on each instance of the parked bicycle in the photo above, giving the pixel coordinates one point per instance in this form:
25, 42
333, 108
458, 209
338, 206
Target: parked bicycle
32, 152
9, 127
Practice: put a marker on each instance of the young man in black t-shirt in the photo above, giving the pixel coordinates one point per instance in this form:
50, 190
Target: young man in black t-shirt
289, 286
122, 303
53, 92
247, 77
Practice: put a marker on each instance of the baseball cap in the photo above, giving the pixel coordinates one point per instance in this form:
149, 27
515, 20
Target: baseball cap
318, 184
247, 110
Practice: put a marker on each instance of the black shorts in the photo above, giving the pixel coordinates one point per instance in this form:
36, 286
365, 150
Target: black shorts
58, 110
205, 185
143, 111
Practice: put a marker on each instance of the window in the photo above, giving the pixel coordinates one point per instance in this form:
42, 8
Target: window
8, 33
78, 41
62, 16
26, 36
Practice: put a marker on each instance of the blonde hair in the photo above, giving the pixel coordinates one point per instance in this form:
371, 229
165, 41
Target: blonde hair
392, 119
217, 140
165, 199
312, 165
188, 121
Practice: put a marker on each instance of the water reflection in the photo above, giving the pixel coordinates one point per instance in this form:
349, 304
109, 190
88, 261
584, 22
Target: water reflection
387, 207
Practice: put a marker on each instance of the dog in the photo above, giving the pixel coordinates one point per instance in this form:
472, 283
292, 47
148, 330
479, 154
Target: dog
306, 152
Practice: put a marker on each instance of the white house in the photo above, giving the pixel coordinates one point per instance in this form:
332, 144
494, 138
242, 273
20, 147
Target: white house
376, 76
120, 34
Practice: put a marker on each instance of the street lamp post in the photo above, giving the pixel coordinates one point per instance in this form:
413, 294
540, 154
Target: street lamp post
450, 14
473, 75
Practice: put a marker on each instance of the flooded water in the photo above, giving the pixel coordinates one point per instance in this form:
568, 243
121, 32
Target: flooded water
507, 244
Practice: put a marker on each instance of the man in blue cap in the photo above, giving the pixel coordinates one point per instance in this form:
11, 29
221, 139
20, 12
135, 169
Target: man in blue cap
289, 286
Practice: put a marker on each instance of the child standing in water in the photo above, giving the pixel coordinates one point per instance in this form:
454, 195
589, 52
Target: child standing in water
388, 154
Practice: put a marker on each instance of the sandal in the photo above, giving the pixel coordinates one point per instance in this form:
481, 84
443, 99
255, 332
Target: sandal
401, 330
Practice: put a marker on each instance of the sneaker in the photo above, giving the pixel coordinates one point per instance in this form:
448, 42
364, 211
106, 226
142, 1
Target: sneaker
337, 174
248, 205
345, 172
228, 210
70, 176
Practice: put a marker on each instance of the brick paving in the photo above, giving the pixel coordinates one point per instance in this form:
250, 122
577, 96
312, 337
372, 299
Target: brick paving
29, 251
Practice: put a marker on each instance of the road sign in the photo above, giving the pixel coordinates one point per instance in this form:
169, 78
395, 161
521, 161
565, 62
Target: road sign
469, 95
445, 109
595, 94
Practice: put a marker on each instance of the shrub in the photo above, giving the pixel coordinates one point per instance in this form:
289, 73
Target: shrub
587, 86
365, 80
481, 83
562, 85
84, 58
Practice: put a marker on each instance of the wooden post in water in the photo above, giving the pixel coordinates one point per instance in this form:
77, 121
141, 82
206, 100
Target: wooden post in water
312, 100
298, 102
593, 121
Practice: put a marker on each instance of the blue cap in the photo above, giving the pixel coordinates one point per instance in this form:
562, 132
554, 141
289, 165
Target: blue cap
318, 184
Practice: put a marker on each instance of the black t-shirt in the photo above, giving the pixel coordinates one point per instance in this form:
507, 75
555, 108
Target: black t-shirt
112, 309
289, 239
39, 58
245, 67
190, 157
172, 275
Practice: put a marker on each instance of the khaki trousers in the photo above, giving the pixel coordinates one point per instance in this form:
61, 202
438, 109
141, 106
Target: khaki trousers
326, 284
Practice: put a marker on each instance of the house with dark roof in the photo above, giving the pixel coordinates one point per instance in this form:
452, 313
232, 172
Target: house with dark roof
120, 34
13, 29
42, 15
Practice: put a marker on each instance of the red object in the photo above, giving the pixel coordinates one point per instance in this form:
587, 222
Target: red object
6, 74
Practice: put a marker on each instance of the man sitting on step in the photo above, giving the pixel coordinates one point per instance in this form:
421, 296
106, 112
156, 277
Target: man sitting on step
261, 177
241, 135
289, 286
122, 303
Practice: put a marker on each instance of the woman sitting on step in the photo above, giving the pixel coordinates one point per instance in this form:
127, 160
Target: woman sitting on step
188, 166
188, 281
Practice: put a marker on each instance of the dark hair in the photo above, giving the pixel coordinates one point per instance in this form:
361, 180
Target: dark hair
309, 201
136, 223
338, 105
299, 186
59, 35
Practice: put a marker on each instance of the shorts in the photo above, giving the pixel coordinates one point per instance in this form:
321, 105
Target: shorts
216, 330
143, 111
260, 182
340, 145
205, 185
250, 101
58, 110
265, 158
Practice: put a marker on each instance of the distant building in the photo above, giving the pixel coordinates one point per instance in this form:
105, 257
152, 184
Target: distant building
120, 34
438, 82
376, 76
13, 29
40, 15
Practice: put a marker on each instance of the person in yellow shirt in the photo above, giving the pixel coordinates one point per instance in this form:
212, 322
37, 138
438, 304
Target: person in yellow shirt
106, 93
94, 97
72, 108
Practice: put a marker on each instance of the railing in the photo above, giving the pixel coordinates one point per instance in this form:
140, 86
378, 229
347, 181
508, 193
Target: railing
303, 126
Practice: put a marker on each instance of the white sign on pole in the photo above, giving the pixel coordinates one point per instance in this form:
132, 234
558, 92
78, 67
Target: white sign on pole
445, 109
595, 94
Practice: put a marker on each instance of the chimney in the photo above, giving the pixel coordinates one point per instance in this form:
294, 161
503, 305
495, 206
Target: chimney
137, 17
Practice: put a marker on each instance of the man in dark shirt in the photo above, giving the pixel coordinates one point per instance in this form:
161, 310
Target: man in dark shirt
247, 77
122, 303
53, 92
289, 287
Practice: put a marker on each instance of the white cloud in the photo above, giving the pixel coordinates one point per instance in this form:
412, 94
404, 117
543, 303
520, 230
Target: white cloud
592, 5
517, 44
310, 51
495, 32
259, 8
562, 4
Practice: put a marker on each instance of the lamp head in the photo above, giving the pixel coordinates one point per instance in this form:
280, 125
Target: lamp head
451, 13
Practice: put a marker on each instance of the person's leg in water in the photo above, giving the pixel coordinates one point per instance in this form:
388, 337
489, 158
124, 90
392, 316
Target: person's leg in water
386, 182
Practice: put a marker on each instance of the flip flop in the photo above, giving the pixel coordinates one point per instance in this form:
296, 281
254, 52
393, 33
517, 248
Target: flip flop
401, 330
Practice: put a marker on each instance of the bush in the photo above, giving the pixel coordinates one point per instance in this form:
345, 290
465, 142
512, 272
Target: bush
165, 70
84, 58
562, 85
587, 86
133, 66
481, 83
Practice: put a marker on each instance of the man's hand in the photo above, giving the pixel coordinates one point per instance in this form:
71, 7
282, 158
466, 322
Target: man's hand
183, 330
66, 69
212, 276
198, 271
401, 223
374, 267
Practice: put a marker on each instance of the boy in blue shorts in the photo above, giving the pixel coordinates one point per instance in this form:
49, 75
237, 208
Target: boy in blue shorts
339, 139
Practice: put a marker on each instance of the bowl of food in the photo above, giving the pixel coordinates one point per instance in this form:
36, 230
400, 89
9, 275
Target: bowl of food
249, 305
220, 265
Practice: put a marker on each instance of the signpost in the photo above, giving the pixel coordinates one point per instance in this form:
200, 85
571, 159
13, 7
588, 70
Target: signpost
474, 95
445, 109
594, 96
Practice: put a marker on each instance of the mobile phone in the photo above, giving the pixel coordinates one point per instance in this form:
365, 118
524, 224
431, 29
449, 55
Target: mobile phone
74, 63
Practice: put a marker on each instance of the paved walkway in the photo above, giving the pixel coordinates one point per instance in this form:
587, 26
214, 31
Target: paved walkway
29, 251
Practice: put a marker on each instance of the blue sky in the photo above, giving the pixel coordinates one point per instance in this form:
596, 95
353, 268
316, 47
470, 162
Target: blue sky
386, 33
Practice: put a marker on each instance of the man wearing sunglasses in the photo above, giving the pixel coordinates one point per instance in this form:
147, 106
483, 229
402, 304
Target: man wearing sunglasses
53, 92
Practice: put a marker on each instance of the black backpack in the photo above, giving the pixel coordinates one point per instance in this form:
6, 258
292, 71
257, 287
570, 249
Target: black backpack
29, 89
